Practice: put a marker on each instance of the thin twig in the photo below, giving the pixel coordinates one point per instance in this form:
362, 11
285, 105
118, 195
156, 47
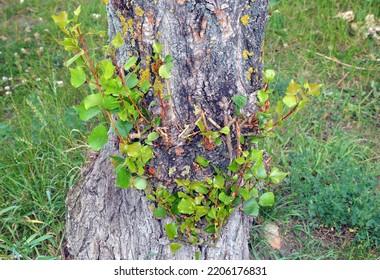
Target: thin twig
338, 61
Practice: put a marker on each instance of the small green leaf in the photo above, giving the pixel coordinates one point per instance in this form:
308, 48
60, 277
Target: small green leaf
157, 48
251, 207
110, 103
290, 101
165, 69
219, 182
276, 175
197, 255
153, 136
108, 69
123, 127
62, 20
266, 199
133, 150
239, 100
78, 77
132, 81
159, 212
84, 114
293, 88
174, 247
202, 161
123, 177
77, 10
269, 76
75, 57
263, 96
98, 137
130, 62
186, 206
92, 100
313, 89
225, 130
240, 160
139, 183
225, 198
168, 58
171, 230
117, 41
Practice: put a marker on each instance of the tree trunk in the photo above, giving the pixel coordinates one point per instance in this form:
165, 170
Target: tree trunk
217, 49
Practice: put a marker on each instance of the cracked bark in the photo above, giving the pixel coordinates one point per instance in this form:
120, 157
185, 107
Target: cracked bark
216, 56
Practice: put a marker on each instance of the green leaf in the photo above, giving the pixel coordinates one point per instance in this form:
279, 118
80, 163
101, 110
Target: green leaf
130, 62
174, 247
132, 81
110, 103
263, 96
197, 255
159, 212
61, 20
239, 100
168, 58
186, 206
171, 230
290, 101
84, 114
313, 89
157, 48
269, 76
98, 137
225, 130
276, 175
219, 182
117, 41
139, 183
251, 207
153, 136
259, 171
78, 77
92, 100
133, 150
123, 177
123, 127
225, 198
145, 86
266, 199
293, 88
77, 10
146, 154
202, 161
165, 69
240, 160
107, 68
71, 44
75, 57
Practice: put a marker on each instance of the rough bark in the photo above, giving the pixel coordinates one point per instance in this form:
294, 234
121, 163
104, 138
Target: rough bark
216, 56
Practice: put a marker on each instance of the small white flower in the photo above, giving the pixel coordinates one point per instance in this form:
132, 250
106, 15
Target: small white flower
23, 82
60, 83
15, 54
38, 79
95, 16
21, 2
10, 79
27, 29
8, 93
40, 19
23, 50
4, 79
7, 88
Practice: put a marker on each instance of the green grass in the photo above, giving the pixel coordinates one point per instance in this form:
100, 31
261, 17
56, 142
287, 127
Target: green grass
339, 132
43, 152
